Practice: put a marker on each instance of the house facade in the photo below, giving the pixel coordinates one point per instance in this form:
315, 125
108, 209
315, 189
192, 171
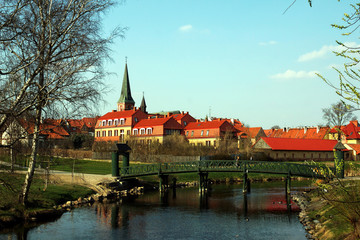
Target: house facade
298, 149
209, 133
117, 126
155, 129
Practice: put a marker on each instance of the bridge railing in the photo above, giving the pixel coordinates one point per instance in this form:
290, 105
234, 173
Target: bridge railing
294, 169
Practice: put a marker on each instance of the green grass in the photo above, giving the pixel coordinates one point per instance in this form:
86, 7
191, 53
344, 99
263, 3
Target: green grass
335, 225
39, 198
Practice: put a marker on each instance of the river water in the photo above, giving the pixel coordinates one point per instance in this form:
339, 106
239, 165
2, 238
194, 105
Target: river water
224, 213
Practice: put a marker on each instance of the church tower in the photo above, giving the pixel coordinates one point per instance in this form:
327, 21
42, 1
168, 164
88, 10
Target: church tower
126, 102
143, 105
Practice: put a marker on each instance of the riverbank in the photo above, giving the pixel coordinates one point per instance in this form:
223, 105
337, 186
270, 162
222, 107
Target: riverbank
331, 210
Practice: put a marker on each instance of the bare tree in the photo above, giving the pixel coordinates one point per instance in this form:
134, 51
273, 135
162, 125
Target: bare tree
338, 114
51, 55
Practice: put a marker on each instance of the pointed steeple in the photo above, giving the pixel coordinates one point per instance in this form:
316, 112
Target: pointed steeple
126, 102
143, 104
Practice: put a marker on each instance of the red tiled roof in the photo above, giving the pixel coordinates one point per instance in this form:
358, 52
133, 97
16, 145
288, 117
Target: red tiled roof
120, 114
75, 122
296, 144
205, 125
50, 127
90, 122
352, 130
306, 133
356, 148
151, 122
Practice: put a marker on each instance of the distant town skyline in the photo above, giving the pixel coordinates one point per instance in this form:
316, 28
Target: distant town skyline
233, 59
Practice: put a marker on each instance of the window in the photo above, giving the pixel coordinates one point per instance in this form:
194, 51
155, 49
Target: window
103, 133
192, 133
128, 132
115, 122
135, 131
207, 132
104, 122
187, 133
142, 131
149, 131
109, 122
185, 123
98, 134
110, 133
208, 143
122, 138
202, 132
116, 133
136, 119
122, 121
99, 123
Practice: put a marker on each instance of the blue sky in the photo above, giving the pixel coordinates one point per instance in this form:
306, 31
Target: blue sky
233, 59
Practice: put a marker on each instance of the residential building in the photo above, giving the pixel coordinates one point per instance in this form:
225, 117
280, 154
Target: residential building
155, 129
117, 126
299, 149
51, 130
209, 133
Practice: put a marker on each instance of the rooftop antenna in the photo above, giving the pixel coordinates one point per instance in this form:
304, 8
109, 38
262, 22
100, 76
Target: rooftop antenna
125, 59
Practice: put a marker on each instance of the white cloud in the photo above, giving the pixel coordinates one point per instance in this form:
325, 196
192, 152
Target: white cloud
186, 28
325, 50
291, 74
267, 43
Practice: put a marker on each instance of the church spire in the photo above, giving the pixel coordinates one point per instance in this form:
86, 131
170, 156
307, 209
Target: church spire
143, 104
126, 102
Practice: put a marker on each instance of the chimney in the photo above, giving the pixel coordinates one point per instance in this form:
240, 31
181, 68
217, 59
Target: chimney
317, 129
182, 112
305, 129
114, 111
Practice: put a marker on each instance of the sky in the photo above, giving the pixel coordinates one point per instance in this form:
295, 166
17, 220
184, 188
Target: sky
239, 59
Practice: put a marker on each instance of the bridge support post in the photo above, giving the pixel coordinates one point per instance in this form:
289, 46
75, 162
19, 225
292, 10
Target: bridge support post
246, 183
288, 184
203, 184
163, 182
115, 163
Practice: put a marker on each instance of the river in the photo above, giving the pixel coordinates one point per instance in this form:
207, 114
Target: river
224, 213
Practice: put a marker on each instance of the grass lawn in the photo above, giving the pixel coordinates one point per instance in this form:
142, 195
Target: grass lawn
39, 198
331, 214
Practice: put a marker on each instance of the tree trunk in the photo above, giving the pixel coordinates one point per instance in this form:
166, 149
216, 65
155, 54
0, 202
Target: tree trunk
34, 149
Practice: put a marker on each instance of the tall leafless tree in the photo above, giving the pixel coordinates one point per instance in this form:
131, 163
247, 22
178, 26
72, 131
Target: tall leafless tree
338, 114
51, 58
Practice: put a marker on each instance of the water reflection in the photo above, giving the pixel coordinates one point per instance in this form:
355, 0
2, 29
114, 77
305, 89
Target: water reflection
222, 213
231, 201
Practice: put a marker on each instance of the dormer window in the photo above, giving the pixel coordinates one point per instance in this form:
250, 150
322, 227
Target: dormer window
115, 122
149, 131
142, 131
122, 121
135, 132
104, 123
202, 132
109, 122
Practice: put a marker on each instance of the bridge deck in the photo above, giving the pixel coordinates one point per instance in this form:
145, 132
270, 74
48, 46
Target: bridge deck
294, 169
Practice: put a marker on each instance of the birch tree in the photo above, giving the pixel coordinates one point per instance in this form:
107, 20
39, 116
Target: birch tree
51, 58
